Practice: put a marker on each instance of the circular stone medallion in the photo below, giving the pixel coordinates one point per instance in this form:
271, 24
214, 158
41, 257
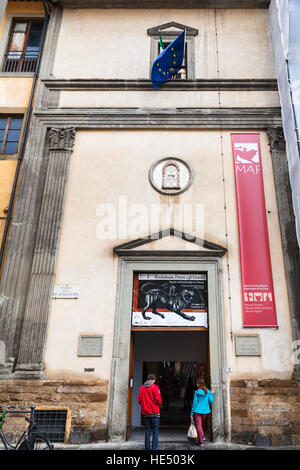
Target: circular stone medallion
171, 176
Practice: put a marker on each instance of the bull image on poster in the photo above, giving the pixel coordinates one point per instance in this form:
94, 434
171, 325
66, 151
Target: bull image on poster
170, 300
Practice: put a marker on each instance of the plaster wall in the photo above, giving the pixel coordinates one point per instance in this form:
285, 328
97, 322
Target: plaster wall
114, 43
14, 93
167, 99
28, 7
108, 186
7, 173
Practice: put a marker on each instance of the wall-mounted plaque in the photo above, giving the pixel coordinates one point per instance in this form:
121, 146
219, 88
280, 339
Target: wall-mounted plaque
90, 346
247, 345
171, 175
65, 291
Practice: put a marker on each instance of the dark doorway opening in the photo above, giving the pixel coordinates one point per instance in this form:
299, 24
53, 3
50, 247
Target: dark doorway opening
177, 383
177, 358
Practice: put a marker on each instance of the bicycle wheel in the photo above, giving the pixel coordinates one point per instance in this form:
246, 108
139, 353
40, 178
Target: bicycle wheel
42, 443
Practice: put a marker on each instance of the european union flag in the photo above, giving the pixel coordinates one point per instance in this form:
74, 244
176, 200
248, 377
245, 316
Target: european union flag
169, 62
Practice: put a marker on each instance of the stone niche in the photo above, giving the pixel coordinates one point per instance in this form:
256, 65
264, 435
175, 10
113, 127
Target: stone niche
265, 412
84, 400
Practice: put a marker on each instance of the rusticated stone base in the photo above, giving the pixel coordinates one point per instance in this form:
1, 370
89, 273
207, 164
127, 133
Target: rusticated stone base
265, 412
85, 401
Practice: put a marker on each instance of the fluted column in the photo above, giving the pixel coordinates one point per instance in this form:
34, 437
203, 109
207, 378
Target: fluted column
286, 216
32, 342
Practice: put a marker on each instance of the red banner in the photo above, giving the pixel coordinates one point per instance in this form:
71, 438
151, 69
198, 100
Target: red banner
256, 271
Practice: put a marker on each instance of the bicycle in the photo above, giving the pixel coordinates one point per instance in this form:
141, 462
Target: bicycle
29, 440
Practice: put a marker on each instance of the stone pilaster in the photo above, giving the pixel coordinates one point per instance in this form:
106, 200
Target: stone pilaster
17, 266
3, 5
286, 215
32, 340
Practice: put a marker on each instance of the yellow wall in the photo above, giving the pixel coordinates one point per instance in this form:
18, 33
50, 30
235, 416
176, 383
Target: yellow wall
14, 93
7, 173
27, 7
20, 7
14, 98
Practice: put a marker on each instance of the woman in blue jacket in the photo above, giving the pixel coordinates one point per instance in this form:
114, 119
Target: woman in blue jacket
203, 398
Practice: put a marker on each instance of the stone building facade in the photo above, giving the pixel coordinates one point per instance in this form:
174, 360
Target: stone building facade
96, 214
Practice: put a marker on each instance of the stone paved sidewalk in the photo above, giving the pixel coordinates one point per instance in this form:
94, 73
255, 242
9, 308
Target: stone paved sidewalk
168, 446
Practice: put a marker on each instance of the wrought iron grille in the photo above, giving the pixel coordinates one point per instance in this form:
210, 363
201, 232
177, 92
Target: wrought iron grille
20, 61
51, 423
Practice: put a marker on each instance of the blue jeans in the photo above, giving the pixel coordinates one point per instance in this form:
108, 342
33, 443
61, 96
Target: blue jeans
151, 424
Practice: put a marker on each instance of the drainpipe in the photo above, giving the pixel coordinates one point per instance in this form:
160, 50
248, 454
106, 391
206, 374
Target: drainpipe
24, 135
293, 109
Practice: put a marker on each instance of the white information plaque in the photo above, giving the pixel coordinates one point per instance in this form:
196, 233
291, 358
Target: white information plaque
65, 292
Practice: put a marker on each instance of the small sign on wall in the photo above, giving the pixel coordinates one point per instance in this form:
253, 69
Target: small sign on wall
65, 291
247, 345
90, 346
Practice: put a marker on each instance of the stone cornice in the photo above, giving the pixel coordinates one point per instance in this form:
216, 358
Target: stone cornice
178, 118
157, 4
266, 84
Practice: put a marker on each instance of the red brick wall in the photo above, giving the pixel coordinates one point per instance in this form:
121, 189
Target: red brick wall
265, 412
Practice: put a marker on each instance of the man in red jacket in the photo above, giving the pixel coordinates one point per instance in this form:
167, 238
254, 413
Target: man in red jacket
149, 398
